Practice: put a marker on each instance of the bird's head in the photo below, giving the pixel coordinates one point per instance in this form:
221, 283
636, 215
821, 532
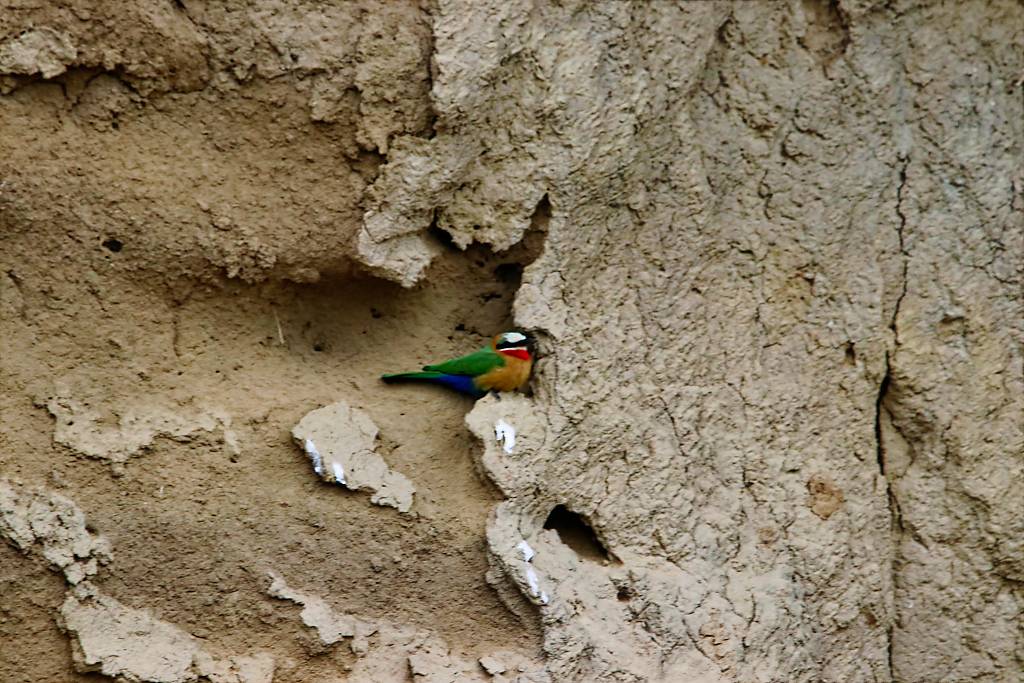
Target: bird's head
515, 343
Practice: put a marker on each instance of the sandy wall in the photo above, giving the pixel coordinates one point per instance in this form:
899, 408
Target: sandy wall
772, 252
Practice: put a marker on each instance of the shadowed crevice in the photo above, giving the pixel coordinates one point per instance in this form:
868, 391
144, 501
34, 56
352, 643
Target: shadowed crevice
575, 532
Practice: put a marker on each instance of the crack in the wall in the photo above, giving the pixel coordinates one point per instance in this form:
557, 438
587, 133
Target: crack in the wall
895, 515
882, 399
883, 390
888, 652
904, 254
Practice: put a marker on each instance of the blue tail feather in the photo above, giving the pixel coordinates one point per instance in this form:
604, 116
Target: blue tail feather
460, 383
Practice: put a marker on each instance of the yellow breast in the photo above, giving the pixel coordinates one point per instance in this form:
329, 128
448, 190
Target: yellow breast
509, 377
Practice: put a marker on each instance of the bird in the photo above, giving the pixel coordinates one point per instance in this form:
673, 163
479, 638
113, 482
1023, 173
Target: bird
502, 365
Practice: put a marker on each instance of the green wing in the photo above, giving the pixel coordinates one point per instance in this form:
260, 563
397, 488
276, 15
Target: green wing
475, 364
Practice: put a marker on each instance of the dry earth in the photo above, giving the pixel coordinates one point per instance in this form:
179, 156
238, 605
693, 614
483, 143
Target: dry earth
773, 254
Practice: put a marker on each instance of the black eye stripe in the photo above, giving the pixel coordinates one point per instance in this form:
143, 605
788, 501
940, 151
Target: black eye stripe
525, 341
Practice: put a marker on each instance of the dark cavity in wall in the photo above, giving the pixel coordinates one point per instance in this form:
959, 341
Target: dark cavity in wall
827, 35
505, 267
883, 391
576, 533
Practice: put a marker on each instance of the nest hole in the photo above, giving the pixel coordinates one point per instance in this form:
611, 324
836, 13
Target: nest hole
575, 532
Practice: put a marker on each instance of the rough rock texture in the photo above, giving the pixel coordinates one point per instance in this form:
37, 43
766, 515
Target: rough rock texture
341, 443
792, 241
397, 649
773, 253
124, 643
84, 429
208, 119
106, 636
317, 614
37, 520
132, 645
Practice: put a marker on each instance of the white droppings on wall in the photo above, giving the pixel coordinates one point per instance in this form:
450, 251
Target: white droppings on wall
314, 457
532, 580
534, 583
505, 434
341, 442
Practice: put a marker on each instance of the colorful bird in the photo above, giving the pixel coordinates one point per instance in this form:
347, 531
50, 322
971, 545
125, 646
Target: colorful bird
504, 365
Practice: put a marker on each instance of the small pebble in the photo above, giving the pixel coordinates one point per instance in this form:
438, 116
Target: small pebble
492, 665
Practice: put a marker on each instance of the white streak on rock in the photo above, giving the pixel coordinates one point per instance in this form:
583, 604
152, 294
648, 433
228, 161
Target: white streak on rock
314, 456
534, 583
346, 454
506, 434
532, 579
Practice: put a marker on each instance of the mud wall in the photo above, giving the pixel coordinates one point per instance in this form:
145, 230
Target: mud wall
773, 255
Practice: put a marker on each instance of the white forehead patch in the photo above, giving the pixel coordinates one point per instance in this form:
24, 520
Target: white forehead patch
513, 337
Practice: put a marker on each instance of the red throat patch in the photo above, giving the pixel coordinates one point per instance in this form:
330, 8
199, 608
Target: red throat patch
521, 354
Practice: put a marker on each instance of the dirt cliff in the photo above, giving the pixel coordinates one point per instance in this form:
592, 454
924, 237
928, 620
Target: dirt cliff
772, 253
